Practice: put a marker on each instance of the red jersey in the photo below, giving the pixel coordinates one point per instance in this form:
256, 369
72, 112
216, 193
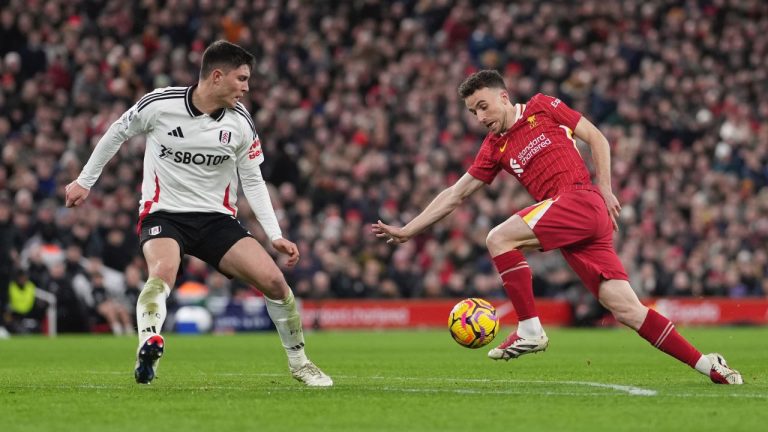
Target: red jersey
538, 149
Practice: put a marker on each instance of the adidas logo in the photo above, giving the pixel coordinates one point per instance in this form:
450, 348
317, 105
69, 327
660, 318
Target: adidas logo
150, 329
176, 132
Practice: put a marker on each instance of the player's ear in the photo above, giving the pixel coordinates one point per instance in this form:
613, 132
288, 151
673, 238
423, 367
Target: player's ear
217, 75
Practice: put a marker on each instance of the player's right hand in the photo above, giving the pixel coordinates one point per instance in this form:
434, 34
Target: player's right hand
393, 234
614, 208
75, 194
289, 248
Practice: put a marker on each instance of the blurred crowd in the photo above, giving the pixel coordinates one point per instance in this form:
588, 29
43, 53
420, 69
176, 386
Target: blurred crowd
356, 106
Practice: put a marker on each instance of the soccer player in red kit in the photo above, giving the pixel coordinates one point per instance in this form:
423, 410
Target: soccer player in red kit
535, 142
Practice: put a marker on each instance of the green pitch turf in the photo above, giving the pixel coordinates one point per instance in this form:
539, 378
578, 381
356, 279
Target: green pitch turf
588, 380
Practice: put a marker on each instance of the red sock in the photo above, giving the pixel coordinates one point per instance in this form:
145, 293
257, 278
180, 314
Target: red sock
518, 282
661, 333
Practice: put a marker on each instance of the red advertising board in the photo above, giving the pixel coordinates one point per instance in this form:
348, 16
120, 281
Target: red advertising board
712, 311
349, 314
379, 314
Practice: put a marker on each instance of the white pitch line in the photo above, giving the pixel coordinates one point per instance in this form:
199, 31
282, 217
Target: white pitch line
294, 388
634, 391
493, 392
631, 390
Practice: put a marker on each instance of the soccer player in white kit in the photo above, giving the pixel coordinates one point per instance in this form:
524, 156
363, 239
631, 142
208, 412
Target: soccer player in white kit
200, 139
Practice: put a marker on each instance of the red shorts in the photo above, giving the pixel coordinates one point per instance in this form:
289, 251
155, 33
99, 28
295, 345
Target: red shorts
578, 224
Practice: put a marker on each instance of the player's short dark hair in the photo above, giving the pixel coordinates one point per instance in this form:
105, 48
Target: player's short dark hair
226, 56
485, 78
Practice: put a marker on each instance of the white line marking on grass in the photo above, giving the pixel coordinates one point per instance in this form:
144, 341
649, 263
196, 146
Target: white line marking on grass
629, 390
632, 390
492, 392
169, 386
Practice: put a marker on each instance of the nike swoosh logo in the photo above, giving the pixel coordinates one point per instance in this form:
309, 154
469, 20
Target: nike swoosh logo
504, 147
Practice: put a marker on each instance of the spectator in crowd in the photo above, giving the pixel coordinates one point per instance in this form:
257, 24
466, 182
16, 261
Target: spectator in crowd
112, 310
6, 260
73, 265
133, 283
25, 313
72, 312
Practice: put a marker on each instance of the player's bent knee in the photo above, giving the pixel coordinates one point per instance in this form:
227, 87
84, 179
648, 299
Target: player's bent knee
491, 239
631, 315
512, 234
497, 242
164, 271
275, 286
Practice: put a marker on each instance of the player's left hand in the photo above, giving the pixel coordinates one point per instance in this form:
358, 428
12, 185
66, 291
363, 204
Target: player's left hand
289, 248
614, 208
75, 194
393, 234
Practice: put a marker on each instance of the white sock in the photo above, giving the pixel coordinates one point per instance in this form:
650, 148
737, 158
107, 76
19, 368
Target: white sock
530, 328
150, 309
288, 323
704, 365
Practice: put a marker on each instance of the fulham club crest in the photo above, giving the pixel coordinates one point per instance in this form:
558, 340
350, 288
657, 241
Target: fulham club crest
224, 137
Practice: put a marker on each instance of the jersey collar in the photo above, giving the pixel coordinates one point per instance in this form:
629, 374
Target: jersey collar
192, 109
519, 110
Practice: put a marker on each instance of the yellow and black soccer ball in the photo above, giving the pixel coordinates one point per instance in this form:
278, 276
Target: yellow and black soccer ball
473, 322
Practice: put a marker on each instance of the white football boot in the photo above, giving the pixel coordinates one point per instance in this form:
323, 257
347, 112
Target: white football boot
721, 373
311, 375
515, 346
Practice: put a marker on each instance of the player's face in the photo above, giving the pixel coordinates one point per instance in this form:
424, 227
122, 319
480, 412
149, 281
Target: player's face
489, 106
233, 86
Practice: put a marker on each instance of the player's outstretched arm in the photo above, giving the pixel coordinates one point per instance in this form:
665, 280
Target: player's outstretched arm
75, 194
601, 156
445, 202
129, 124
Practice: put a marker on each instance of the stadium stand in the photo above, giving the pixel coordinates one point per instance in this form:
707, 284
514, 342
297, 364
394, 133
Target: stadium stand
357, 110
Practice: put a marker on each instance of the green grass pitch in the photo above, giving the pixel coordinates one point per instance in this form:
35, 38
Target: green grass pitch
588, 380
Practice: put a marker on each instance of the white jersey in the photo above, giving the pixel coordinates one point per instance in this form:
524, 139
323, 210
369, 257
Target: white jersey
192, 159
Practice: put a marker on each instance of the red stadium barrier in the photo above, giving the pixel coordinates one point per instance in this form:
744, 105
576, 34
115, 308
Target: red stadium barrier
361, 314
378, 314
712, 311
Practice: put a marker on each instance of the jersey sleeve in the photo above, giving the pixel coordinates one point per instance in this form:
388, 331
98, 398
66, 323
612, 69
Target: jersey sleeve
249, 137
137, 120
249, 158
560, 112
484, 167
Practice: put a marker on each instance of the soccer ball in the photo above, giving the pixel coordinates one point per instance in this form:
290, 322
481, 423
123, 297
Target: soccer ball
473, 323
